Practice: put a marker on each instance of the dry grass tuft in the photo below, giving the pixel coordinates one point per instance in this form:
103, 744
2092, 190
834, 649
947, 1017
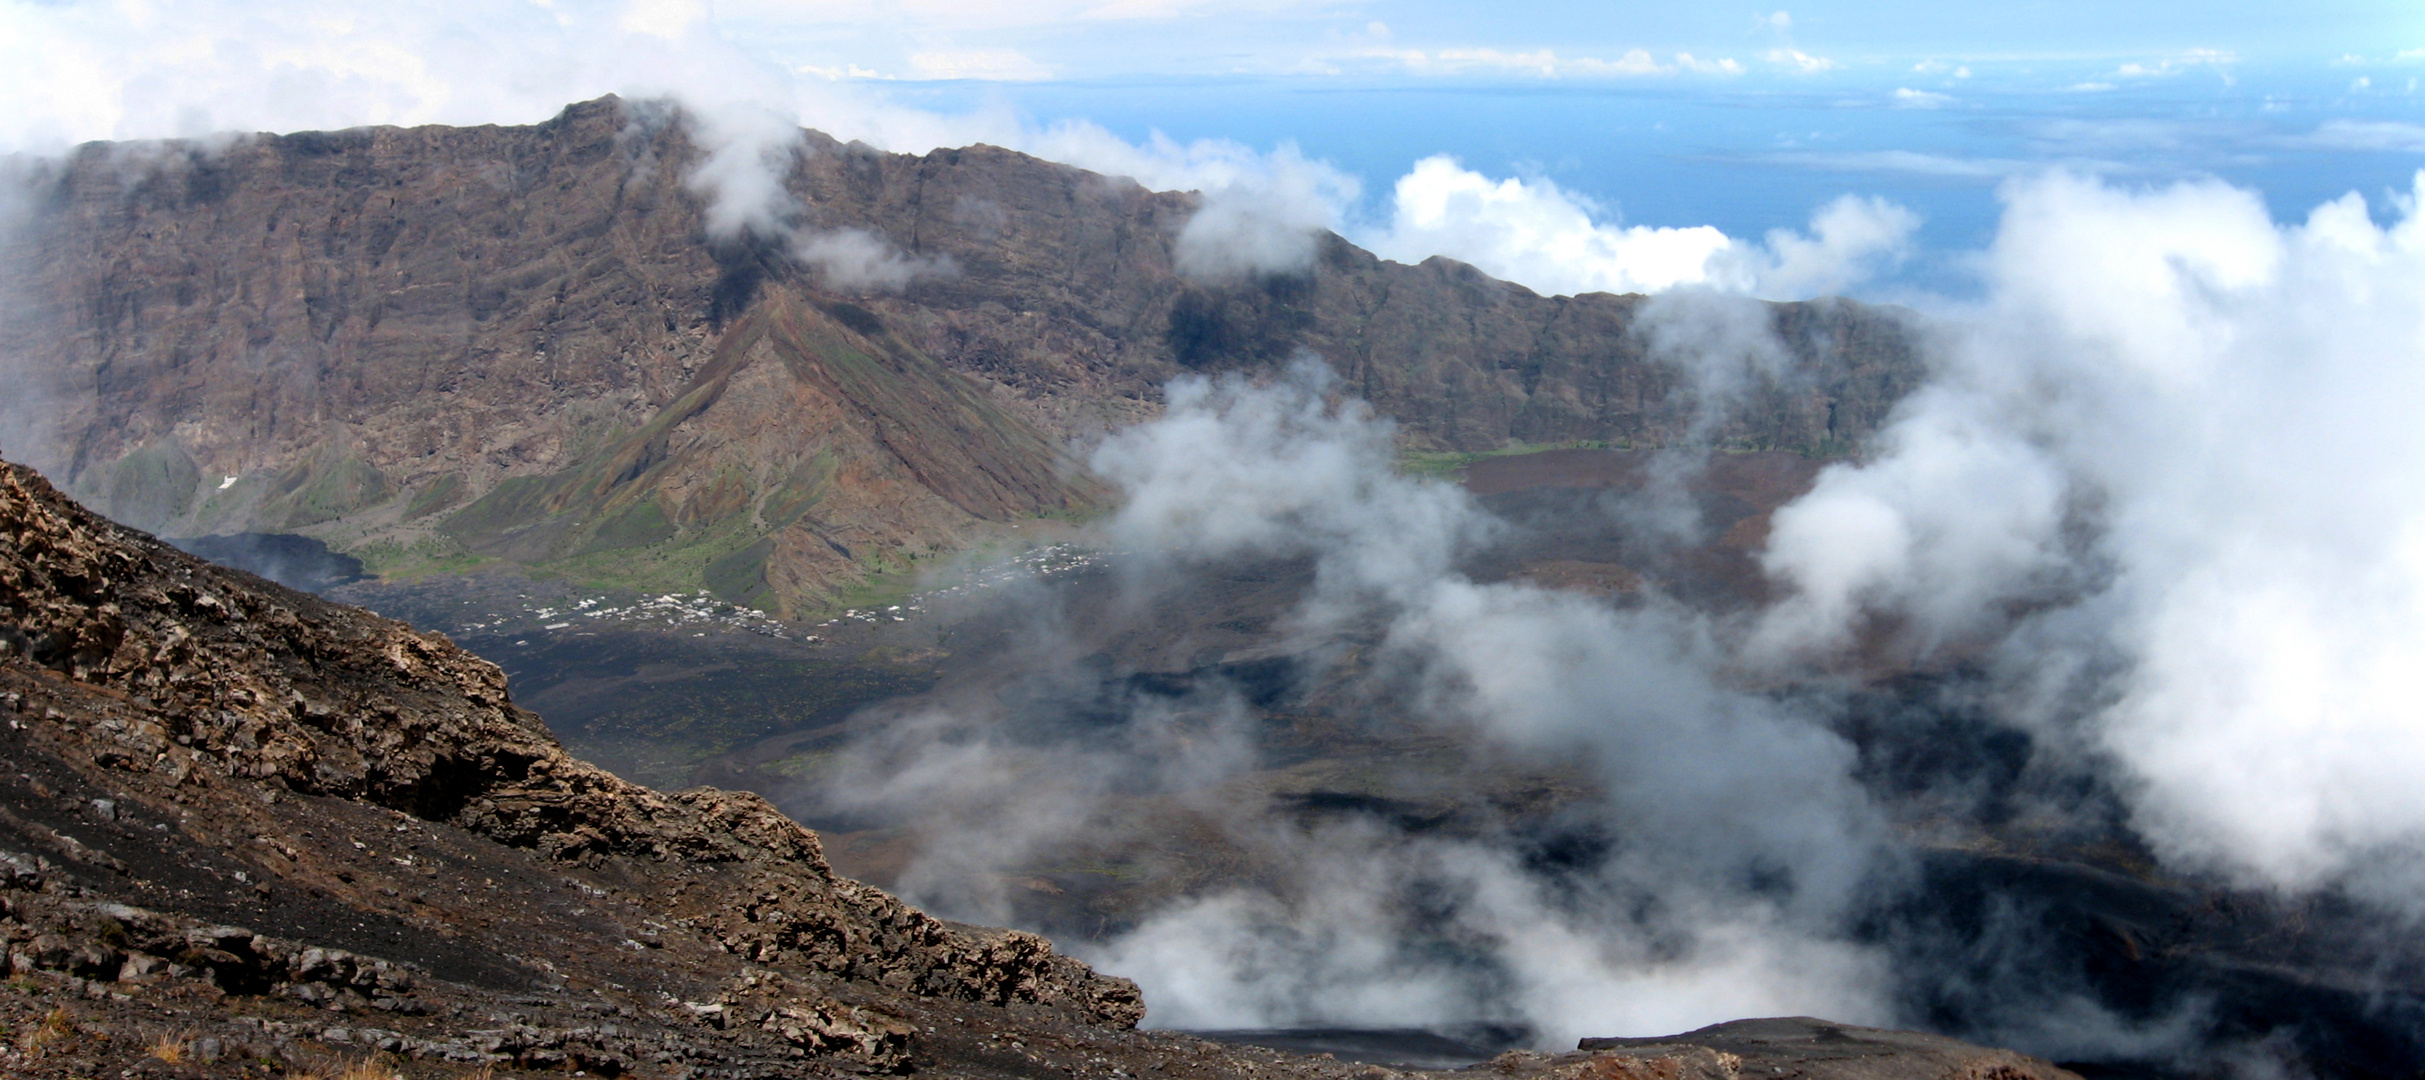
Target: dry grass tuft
56, 1027
172, 1047
371, 1068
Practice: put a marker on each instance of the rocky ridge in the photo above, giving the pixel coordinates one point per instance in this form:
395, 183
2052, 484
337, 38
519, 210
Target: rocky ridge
229, 714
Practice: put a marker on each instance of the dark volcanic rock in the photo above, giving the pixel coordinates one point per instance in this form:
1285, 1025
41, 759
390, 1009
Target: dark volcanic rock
315, 772
1800, 1046
521, 343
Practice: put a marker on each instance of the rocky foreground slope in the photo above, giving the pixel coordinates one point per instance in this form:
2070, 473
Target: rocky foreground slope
435, 345
246, 832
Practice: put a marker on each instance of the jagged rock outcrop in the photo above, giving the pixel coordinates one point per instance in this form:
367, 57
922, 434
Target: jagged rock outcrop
194, 692
523, 343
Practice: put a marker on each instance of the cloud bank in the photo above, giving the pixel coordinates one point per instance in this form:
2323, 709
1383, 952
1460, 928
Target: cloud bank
1537, 234
1740, 846
2173, 479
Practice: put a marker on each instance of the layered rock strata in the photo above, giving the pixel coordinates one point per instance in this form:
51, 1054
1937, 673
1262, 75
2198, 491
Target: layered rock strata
436, 345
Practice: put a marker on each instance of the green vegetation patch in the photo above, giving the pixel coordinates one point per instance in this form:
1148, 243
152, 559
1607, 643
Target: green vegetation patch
740, 578
1442, 464
440, 494
678, 564
882, 587
153, 486
329, 486
639, 525
804, 488
513, 504
392, 560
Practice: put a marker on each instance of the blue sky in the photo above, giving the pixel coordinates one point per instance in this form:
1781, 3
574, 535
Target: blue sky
1098, 38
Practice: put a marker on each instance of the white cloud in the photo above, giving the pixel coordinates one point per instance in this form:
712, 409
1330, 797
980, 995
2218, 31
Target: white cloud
125, 71
1536, 233
1703, 782
1740, 846
853, 260
668, 19
749, 153
1263, 218
1261, 213
1542, 236
84, 72
1849, 239
2174, 467
1720, 66
1907, 98
1800, 62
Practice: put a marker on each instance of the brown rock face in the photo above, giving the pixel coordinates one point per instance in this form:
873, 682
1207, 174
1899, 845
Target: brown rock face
247, 714
522, 344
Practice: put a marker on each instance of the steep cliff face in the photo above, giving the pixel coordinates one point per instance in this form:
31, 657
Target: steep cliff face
523, 343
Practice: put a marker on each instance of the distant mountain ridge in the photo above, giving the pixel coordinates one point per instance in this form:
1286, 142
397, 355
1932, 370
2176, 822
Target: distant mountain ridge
430, 345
